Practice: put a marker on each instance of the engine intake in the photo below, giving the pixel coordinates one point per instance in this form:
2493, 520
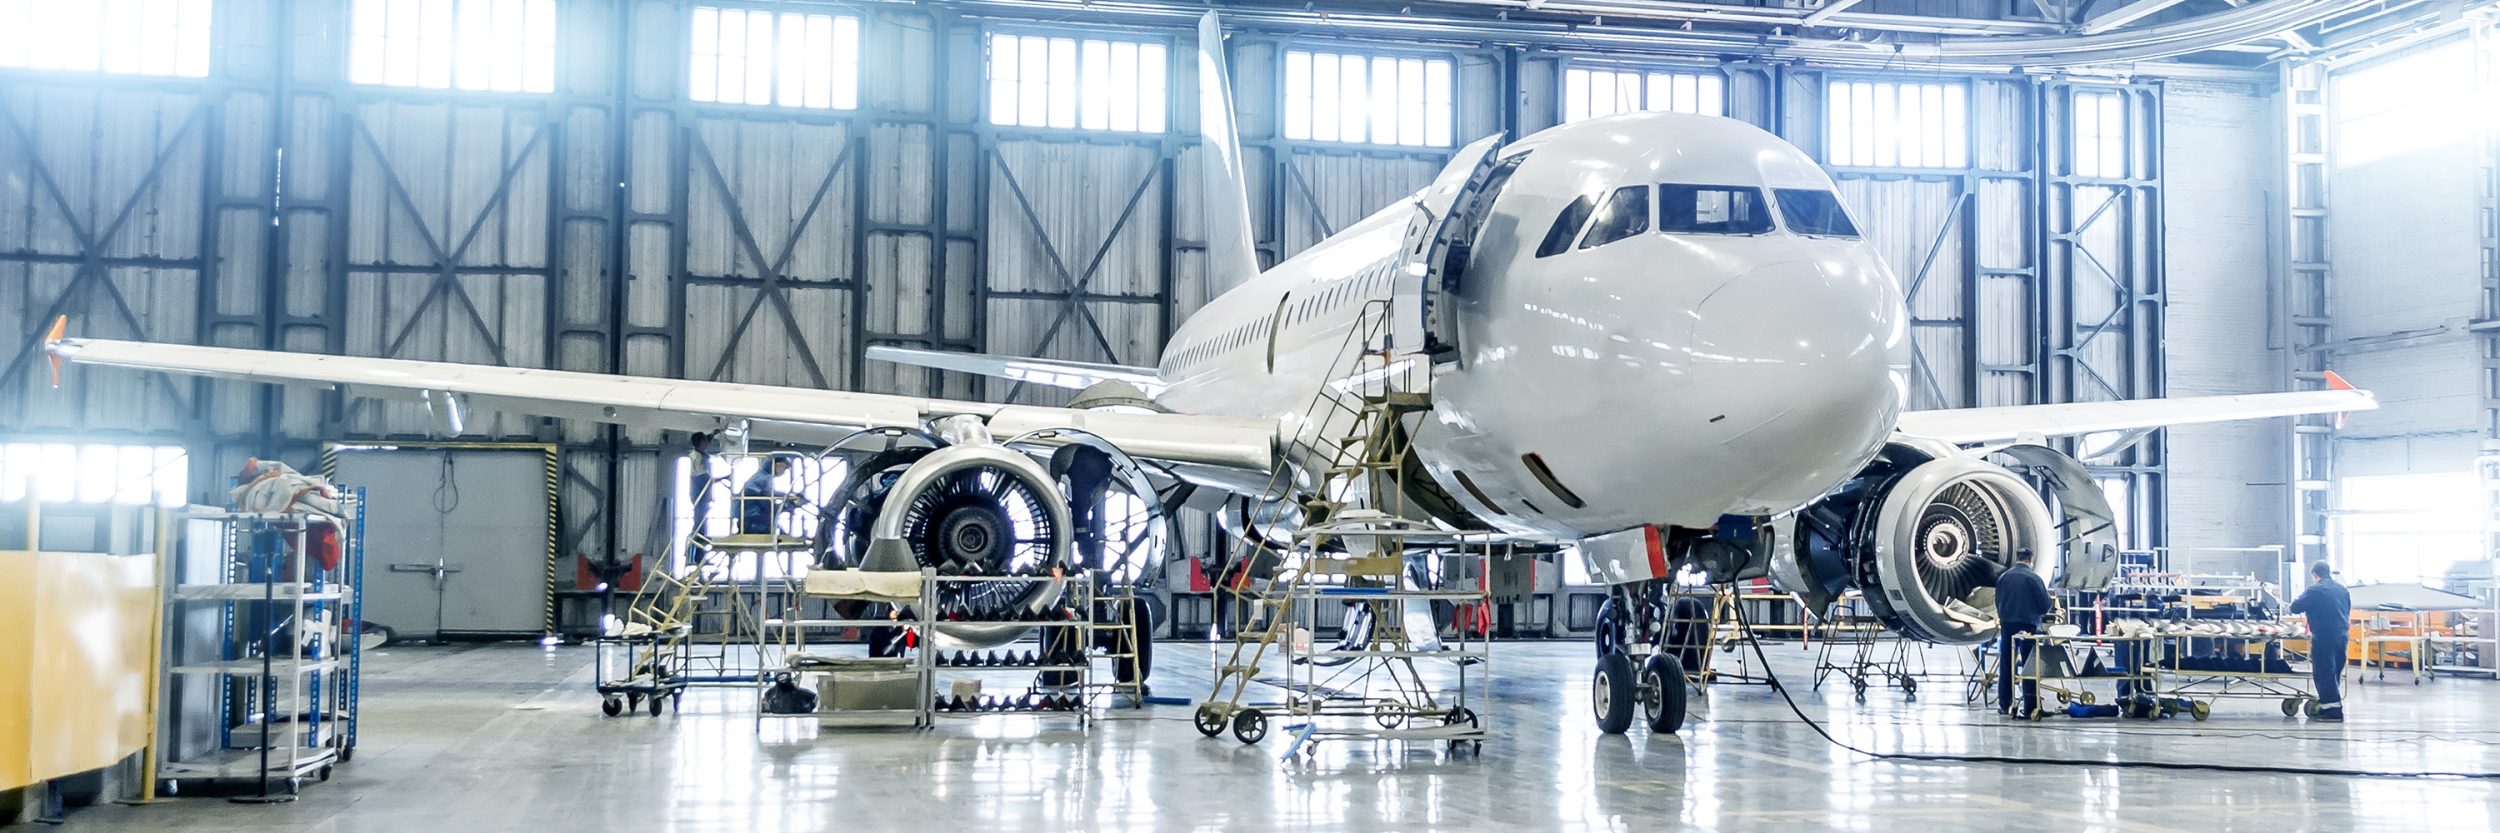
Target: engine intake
1923, 535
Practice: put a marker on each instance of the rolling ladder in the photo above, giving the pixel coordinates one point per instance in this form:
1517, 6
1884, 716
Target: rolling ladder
1351, 546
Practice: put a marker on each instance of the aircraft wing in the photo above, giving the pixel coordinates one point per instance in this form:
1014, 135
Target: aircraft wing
2007, 424
1055, 373
1246, 446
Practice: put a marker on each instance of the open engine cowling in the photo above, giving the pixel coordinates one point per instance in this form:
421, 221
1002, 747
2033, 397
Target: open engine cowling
1922, 532
977, 509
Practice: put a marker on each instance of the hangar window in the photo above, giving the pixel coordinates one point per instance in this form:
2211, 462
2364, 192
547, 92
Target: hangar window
1589, 93
2100, 134
1889, 124
789, 59
126, 37
1712, 209
499, 45
1082, 83
94, 473
1626, 214
1368, 99
1558, 239
1814, 212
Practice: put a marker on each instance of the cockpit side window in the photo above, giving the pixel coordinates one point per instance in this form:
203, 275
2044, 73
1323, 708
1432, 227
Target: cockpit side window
1815, 213
1567, 226
1712, 209
1626, 214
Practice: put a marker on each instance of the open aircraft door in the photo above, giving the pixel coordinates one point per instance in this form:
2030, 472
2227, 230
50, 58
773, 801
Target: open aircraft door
1432, 262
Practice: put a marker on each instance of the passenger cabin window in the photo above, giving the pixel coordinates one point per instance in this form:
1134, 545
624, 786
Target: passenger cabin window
1626, 214
1712, 209
1815, 213
1558, 239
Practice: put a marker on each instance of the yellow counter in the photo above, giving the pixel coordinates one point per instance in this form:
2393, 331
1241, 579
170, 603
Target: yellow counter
75, 676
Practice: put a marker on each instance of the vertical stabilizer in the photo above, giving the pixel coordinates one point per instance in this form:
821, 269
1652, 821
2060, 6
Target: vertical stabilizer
1231, 258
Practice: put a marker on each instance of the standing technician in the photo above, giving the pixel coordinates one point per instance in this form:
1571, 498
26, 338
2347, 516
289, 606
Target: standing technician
2023, 602
2328, 607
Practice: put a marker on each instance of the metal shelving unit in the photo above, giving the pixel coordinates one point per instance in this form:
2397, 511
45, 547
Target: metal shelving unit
281, 655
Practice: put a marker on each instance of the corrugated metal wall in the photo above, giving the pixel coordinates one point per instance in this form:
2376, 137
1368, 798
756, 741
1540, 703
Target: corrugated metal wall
2228, 481
614, 226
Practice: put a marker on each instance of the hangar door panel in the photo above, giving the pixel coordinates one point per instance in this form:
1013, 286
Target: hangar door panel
455, 539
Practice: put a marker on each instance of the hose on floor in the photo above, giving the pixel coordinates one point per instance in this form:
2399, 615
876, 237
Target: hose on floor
1746, 625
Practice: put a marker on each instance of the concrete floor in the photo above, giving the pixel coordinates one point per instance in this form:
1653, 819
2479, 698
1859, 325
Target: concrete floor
485, 739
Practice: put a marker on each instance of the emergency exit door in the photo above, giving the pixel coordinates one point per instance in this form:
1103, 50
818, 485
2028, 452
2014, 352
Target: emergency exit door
455, 539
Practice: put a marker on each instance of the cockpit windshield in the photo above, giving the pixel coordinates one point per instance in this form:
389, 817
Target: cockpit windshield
1712, 209
1815, 213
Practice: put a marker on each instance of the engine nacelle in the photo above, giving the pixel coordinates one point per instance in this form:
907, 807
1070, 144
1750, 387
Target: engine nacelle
1923, 532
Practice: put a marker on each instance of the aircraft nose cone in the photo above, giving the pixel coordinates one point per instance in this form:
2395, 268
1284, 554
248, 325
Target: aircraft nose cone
1797, 362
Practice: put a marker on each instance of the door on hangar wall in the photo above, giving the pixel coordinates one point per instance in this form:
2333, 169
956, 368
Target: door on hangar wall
455, 538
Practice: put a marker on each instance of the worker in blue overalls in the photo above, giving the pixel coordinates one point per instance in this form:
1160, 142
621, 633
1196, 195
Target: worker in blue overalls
2023, 603
2328, 607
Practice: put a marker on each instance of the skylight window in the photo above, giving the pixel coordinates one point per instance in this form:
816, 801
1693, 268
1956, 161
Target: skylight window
496, 45
786, 59
1079, 83
1368, 99
1590, 93
1887, 124
123, 37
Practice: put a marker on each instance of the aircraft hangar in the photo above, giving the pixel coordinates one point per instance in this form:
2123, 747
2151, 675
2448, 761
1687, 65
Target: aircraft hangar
1323, 415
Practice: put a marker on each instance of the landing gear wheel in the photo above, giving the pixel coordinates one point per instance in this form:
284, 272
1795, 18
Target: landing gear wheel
1609, 628
1612, 693
1663, 677
657, 703
2291, 707
613, 705
1250, 726
1210, 721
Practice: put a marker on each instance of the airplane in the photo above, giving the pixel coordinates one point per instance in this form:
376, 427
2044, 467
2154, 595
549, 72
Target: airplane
1660, 339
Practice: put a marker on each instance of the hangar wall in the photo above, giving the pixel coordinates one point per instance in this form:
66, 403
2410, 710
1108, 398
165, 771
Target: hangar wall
614, 226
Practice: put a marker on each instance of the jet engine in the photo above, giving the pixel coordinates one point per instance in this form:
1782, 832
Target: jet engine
1923, 532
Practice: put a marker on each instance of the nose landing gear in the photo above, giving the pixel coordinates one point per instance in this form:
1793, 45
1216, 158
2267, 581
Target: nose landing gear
1633, 669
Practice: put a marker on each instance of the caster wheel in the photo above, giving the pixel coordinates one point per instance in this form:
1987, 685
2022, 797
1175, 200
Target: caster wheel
2061, 698
2087, 698
1458, 716
2201, 711
613, 706
1210, 721
2291, 707
657, 703
1389, 720
633, 702
1663, 701
324, 774
347, 754
1250, 726
1612, 693
2309, 707
1909, 686
677, 702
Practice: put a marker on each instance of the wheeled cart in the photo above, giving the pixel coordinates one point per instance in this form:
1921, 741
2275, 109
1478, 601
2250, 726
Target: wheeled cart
2189, 672
2053, 670
640, 667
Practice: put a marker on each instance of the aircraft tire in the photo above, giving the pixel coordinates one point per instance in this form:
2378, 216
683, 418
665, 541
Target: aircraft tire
1613, 693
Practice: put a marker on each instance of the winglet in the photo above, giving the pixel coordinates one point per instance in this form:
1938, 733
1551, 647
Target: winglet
52, 346
2335, 382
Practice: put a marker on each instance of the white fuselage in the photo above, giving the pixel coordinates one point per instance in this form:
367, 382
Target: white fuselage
1718, 360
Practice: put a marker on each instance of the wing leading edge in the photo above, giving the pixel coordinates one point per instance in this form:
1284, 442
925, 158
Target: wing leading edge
769, 412
2008, 424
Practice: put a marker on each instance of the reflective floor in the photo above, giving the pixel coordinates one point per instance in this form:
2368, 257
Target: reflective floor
486, 739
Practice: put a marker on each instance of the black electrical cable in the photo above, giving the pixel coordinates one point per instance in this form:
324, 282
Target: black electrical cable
1746, 625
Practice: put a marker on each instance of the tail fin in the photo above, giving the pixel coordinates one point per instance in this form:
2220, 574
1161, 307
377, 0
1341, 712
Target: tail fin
52, 346
1224, 190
